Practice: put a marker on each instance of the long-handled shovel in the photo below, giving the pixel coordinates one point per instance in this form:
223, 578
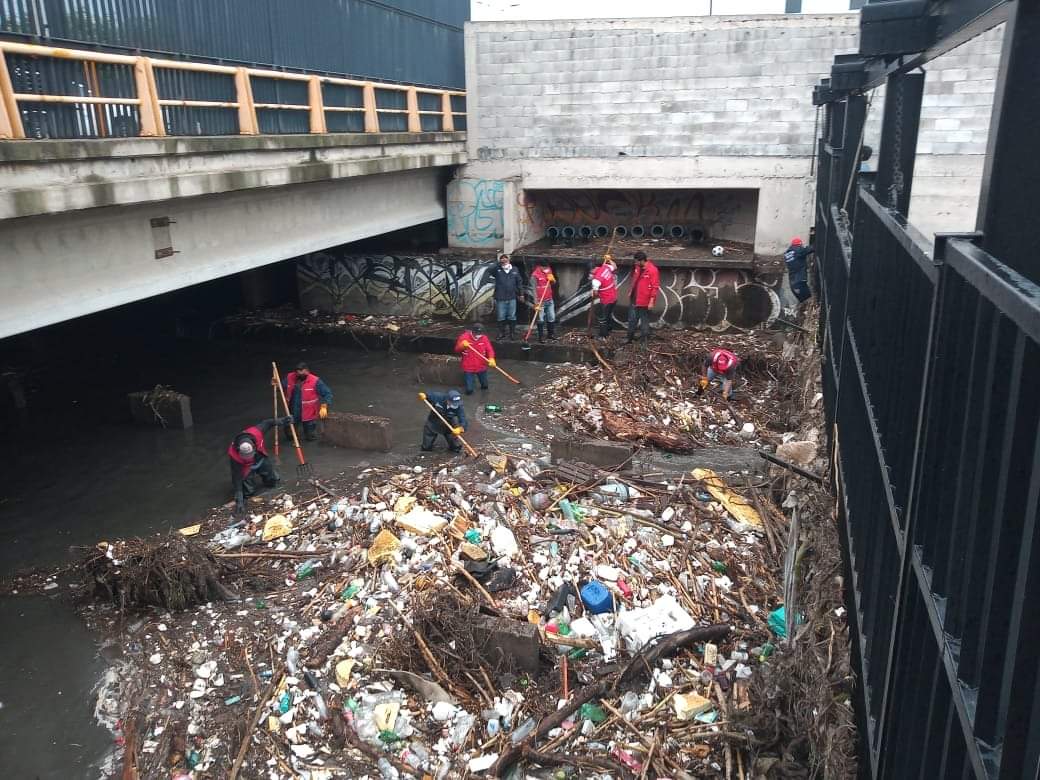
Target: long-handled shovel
277, 443
502, 371
450, 427
526, 347
304, 470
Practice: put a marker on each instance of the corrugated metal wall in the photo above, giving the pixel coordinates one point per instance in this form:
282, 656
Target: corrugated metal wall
414, 41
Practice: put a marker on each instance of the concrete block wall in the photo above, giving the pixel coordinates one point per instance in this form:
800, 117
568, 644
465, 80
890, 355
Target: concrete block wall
699, 102
649, 87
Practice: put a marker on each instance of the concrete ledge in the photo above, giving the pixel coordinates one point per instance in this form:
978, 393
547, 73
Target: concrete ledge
109, 148
358, 431
173, 412
596, 452
440, 370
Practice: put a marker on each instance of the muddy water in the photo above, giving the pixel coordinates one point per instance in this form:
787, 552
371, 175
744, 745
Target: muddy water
78, 472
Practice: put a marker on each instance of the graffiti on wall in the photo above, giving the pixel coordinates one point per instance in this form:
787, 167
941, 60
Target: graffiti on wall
475, 212
395, 284
722, 213
704, 297
462, 289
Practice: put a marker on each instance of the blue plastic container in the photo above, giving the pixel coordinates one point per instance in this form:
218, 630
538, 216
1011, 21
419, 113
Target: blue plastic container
597, 599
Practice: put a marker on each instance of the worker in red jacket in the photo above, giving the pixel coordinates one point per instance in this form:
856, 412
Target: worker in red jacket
604, 284
309, 400
545, 307
646, 281
721, 364
477, 354
250, 466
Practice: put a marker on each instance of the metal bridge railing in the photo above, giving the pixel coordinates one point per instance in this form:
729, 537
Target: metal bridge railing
75, 93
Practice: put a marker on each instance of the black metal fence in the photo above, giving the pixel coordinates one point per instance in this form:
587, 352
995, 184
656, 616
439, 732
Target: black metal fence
931, 383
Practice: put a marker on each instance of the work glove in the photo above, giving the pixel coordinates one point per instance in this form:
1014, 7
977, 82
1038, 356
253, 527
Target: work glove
285, 420
703, 383
240, 505
465, 343
492, 362
458, 429
422, 396
551, 279
323, 411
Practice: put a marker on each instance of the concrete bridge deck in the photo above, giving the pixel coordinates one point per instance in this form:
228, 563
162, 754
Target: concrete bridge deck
86, 225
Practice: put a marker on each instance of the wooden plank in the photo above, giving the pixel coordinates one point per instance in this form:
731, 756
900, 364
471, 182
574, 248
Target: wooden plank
247, 124
152, 125
371, 116
414, 123
317, 105
447, 119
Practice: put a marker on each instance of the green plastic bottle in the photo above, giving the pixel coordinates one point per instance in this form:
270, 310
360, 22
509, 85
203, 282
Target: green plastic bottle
593, 713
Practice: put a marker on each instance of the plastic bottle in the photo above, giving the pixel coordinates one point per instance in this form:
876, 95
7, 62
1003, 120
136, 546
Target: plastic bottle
387, 770
323, 710
284, 703
292, 661
306, 569
629, 703
522, 731
567, 508
593, 712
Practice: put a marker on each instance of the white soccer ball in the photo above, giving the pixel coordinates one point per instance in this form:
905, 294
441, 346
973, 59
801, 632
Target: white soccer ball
717, 251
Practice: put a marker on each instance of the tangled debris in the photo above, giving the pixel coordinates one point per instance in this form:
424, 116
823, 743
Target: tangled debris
506, 617
650, 396
173, 573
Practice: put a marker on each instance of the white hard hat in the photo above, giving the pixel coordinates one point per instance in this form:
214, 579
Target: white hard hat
245, 449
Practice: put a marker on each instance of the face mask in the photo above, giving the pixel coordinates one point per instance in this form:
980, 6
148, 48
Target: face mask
507, 267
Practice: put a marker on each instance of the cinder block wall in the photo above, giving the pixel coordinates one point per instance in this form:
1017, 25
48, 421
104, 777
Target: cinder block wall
650, 87
693, 102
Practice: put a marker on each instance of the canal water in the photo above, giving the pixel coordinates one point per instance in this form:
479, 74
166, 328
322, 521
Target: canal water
77, 471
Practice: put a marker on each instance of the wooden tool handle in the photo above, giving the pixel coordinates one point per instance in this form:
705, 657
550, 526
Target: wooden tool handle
288, 413
450, 427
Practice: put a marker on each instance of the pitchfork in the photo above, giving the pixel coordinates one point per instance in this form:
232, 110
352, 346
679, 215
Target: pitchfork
304, 470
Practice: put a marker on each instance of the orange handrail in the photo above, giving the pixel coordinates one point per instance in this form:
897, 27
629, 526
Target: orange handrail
150, 104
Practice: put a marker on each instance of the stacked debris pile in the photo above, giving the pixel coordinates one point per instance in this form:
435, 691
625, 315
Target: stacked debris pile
478, 618
652, 396
173, 573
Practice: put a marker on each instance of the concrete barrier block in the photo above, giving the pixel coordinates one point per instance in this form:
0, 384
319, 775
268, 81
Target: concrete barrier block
166, 410
597, 452
440, 370
358, 431
508, 642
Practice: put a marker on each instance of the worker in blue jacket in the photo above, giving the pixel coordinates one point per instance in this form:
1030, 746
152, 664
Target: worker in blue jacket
796, 258
449, 406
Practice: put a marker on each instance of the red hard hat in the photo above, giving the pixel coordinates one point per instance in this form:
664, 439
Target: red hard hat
796, 241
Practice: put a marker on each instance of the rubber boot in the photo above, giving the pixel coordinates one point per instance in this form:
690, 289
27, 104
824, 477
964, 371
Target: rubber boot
552, 331
512, 330
541, 333
501, 330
